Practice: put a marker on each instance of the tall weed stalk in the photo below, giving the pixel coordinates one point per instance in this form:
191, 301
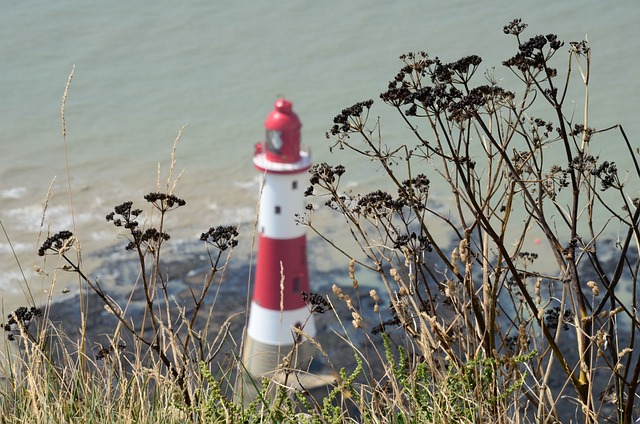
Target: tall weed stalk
513, 297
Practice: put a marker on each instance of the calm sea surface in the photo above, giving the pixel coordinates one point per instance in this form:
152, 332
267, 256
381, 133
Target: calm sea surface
145, 69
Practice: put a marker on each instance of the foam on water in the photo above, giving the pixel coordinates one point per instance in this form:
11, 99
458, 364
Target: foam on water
13, 193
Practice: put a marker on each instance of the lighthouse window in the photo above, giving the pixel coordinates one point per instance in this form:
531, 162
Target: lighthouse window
296, 284
277, 210
274, 141
294, 185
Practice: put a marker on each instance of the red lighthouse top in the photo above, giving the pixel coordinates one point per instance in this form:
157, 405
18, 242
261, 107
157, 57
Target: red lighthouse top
281, 151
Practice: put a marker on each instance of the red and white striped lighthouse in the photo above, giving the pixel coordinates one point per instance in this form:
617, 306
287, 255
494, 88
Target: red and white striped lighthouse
281, 270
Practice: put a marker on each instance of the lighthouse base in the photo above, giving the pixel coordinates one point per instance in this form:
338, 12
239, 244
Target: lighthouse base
261, 360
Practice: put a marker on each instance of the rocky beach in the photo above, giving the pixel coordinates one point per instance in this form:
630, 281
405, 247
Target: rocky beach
225, 305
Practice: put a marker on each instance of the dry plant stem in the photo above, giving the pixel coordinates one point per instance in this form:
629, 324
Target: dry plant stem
382, 158
578, 381
115, 309
517, 156
25, 287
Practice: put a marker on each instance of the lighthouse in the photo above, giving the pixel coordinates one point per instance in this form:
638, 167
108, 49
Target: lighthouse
277, 305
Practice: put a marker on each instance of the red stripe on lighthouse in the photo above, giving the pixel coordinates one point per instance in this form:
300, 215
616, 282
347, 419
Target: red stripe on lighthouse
278, 258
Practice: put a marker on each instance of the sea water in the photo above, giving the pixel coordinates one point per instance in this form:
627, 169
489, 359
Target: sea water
144, 70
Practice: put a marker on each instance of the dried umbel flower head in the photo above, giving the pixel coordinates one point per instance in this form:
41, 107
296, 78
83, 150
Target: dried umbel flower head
552, 318
104, 353
19, 320
124, 216
164, 202
318, 303
57, 243
324, 175
515, 27
349, 119
594, 288
221, 237
146, 240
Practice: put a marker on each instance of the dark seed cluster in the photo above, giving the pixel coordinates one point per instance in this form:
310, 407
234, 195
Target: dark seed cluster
343, 121
580, 47
515, 27
607, 172
528, 258
467, 106
531, 55
105, 352
419, 183
430, 99
222, 237
430, 87
552, 318
164, 202
391, 322
126, 217
579, 129
21, 318
540, 130
511, 343
378, 203
318, 303
55, 242
325, 173
149, 236
459, 71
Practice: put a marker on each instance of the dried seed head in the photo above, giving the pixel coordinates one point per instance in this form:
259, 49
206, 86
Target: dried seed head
449, 288
395, 274
463, 250
454, 261
337, 291
454, 255
352, 268
624, 352
374, 295
68, 243
408, 256
349, 303
357, 320
616, 311
594, 288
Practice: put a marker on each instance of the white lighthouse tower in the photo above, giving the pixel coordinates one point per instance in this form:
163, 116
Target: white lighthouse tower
281, 271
